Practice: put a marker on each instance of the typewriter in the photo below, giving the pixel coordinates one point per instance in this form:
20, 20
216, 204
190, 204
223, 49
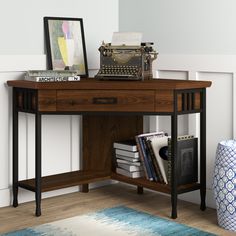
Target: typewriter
126, 62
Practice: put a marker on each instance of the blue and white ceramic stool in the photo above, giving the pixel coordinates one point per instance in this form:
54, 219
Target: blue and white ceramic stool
225, 184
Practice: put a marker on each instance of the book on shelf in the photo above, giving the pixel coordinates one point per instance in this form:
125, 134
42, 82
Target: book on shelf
146, 168
128, 145
130, 159
152, 134
146, 157
122, 161
127, 153
187, 159
157, 143
130, 168
135, 174
149, 170
154, 161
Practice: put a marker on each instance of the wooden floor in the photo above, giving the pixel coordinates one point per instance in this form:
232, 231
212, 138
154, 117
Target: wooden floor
118, 194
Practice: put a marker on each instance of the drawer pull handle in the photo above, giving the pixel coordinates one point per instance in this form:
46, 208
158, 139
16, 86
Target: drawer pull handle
105, 100
72, 102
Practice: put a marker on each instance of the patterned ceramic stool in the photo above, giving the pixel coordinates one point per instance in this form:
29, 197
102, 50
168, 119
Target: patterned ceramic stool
225, 184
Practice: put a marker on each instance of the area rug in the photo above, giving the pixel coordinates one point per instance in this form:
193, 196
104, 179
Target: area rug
116, 221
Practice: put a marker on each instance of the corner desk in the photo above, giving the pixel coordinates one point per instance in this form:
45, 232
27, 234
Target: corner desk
111, 111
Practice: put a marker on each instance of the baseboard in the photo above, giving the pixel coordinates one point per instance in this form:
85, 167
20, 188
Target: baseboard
5, 197
102, 183
27, 196
194, 197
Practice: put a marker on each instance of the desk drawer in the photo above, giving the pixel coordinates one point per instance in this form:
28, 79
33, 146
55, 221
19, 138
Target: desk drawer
103, 100
47, 100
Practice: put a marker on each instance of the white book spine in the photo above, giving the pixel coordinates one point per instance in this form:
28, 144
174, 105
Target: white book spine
52, 78
130, 168
136, 174
157, 143
127, 153
131, 159
131, 148
52, 73
138, 163
160, 133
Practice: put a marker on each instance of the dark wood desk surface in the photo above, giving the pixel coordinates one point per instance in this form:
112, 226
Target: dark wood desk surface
91, 83
150, 96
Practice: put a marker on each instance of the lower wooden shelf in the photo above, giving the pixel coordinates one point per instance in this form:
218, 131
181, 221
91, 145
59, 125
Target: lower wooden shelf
80, 177
165, 188
65, 180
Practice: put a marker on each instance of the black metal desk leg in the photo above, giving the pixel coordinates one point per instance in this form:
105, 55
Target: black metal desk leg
174, 177
15, 149
38, 163
203, 151
85, 188
139, 190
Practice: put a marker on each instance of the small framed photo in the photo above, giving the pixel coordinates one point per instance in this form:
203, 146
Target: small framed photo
65, 44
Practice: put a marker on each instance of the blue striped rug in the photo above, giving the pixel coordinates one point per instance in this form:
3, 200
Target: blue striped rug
117, 221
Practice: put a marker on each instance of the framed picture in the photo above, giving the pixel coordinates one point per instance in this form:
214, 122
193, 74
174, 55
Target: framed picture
65, 44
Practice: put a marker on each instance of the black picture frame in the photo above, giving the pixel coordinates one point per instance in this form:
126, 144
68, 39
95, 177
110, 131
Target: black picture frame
65, 44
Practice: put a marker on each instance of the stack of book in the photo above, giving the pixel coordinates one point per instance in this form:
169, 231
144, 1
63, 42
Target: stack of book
52, 75
127, 159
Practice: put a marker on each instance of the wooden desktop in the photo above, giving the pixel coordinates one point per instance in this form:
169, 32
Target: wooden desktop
111, 111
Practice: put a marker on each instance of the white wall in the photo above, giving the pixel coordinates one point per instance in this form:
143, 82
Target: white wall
194, 40
183, 26
21, 24
22, 49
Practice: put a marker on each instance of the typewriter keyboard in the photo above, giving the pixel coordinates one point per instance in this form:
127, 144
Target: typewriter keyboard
118, 71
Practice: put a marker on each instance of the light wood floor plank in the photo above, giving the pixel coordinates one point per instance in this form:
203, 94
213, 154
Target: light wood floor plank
74, 204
